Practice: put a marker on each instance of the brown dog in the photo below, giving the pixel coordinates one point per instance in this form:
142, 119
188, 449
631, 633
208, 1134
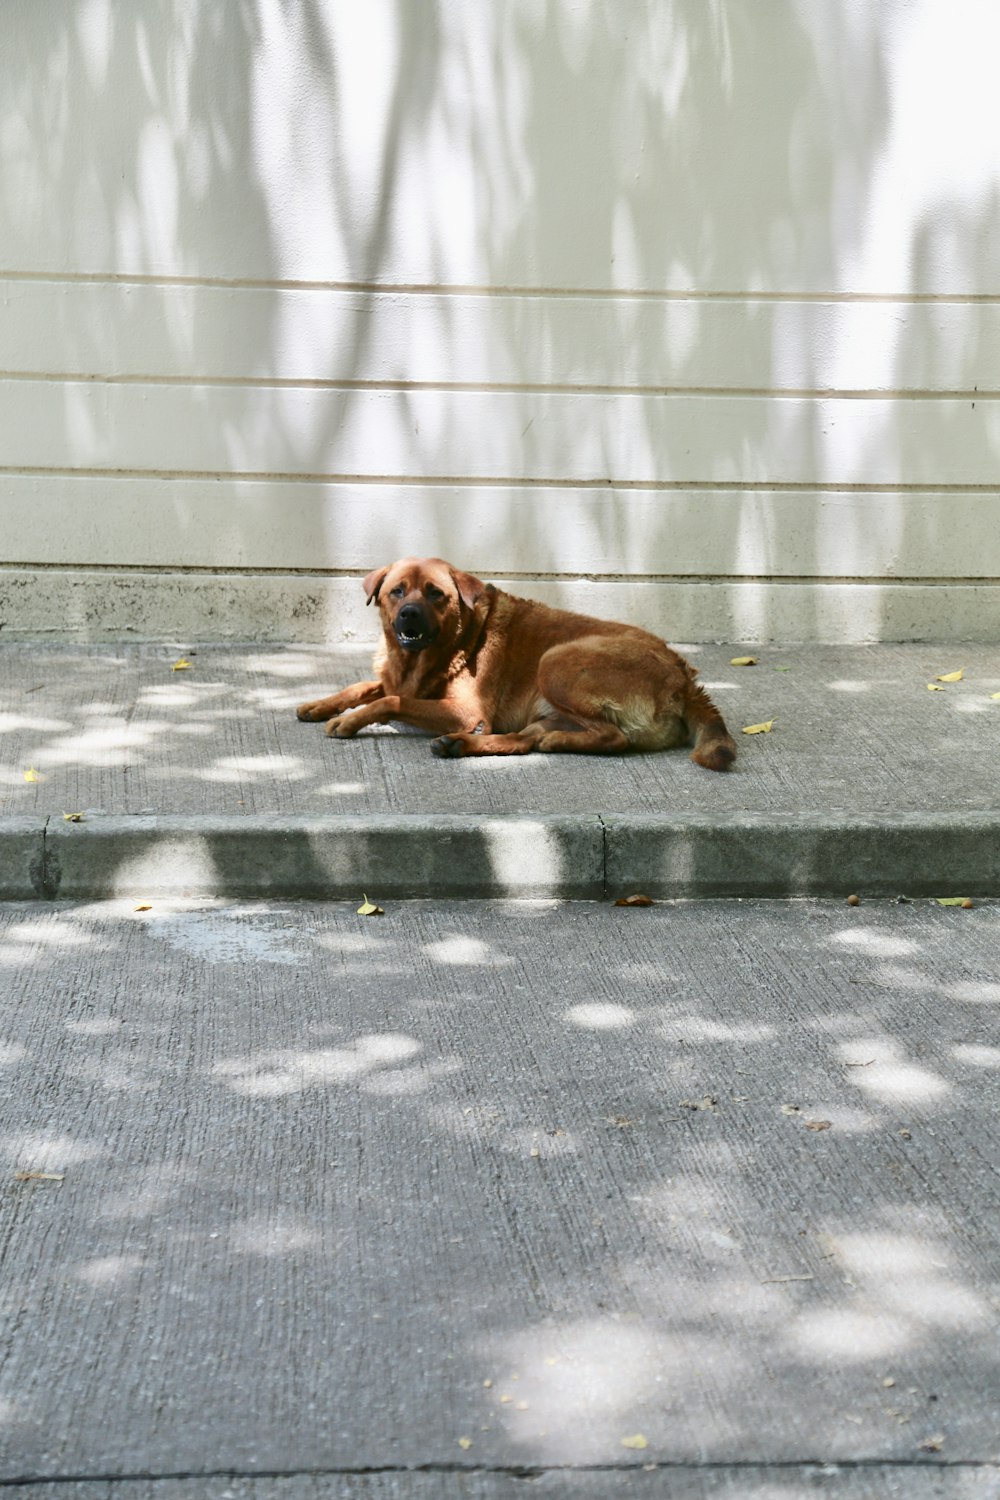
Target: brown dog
491, 674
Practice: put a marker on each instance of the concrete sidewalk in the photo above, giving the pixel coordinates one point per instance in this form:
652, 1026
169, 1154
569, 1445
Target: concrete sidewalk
201, 782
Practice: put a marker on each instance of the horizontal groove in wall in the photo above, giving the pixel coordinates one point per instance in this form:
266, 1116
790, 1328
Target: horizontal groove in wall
556, 388
461, 289
540, 576
457, 481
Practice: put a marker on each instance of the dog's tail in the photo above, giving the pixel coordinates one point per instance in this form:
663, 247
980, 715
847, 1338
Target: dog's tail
714, 746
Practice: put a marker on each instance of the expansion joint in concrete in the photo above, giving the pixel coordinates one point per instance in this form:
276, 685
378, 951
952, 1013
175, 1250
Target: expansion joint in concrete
45, 871
604, 856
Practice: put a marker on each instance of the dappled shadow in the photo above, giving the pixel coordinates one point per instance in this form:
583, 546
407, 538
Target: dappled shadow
545, 1180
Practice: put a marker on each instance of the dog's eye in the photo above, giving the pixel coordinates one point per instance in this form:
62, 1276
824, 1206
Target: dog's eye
397, 592
434, 594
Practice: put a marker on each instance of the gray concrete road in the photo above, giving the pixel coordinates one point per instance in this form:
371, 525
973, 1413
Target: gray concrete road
493, 1200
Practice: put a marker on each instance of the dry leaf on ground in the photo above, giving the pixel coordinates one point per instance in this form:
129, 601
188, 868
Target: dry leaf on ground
181, 665
636, 900
951, 676
743, 661
995, 695
143, 906
818, 1124
764, 728
369, 909
707, 1101
73, 817
951, 900
39, 1176
465, 1443
32, 775
934, 687
791, 1109
635, 1441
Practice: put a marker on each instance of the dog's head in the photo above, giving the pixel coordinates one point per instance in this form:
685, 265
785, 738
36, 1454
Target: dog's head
423, 600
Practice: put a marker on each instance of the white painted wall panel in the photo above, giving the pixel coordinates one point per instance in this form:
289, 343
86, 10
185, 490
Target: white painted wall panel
738, 146
139, 330
222, 429
500, 530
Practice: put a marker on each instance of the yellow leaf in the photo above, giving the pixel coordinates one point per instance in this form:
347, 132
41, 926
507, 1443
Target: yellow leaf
369, 909
995, 695
32, 775
73, 817
952, 676
743, 661
934, 687
181, 665
950, 900
764, 728
635, 1441
465, 1443
143, 906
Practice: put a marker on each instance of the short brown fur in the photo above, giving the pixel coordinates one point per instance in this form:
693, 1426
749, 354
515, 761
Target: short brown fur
491, 674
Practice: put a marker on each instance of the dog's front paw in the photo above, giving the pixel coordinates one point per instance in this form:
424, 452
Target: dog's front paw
312, 713
448, 747
342, 727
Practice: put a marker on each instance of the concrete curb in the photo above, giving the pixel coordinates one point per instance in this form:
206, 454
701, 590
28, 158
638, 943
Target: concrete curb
586, 856
314, 855
800, 854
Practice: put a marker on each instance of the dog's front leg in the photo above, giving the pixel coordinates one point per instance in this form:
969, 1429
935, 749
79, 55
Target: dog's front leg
435, 715
338, 703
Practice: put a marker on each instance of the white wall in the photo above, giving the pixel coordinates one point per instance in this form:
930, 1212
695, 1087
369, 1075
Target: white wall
686, 311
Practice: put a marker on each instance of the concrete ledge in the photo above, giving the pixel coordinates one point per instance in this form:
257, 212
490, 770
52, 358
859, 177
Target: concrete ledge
77, 604
584, 856
801, 854
325, 856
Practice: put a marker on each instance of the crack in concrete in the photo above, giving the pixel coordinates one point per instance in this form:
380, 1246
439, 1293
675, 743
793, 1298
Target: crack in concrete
807, 1466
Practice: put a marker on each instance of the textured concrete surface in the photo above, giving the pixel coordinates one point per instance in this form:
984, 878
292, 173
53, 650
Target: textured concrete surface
203, 781
474, 1191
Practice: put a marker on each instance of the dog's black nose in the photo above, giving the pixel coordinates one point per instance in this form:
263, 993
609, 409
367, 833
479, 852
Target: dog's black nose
410, 619
411, 627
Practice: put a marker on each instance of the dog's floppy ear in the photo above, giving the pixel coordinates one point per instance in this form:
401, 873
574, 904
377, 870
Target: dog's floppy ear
470, 589
373, 583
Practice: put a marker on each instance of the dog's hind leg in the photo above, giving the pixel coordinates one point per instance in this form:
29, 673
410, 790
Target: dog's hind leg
556, 732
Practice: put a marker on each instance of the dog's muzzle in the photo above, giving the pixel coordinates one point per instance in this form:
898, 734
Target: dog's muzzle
412, 628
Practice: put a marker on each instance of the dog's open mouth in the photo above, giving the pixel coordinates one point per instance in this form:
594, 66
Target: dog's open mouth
413, 633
